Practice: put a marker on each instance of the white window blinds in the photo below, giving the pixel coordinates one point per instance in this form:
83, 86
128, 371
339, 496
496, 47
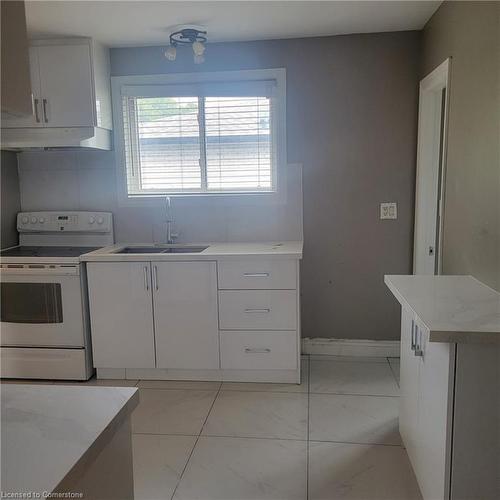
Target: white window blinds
210, 138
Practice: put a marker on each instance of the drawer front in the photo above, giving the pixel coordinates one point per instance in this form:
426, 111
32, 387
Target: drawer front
258, 350
257, 310
257, 275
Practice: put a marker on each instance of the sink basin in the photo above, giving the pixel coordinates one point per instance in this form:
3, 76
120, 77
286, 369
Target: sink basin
162, 249
184, 249
141, 250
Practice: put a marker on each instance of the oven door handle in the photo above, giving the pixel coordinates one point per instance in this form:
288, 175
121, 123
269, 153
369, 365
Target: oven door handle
5, 270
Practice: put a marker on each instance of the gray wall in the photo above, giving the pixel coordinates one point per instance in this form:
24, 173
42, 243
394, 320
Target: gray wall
10, 201
351, 122
351, 106
469, 32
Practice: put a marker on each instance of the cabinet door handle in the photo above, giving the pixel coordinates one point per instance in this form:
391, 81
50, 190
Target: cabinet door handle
413, 326
256, 275
155, 277
418, 343
146, 282
44, 103
256, 350
263, 311
35, 105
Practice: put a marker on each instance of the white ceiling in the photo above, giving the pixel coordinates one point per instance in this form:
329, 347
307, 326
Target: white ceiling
130, 23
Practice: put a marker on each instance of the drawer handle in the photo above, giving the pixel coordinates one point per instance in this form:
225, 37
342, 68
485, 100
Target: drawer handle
256, 350
263, 311
256, 275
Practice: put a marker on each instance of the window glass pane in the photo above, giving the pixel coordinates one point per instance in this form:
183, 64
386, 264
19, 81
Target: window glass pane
238, 144
168, 143
31, 303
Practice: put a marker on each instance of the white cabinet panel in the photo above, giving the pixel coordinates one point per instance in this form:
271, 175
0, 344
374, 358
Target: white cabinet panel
35, 119
121, 314
408, 399
258, 350
185, 305
258, 309
434, 415
66, 85
258, 274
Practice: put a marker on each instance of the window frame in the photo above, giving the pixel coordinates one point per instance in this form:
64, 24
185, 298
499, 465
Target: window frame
278, 75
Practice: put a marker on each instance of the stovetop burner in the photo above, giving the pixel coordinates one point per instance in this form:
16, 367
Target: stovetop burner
41, 251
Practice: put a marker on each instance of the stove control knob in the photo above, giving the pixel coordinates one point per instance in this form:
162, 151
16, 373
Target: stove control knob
100, 220
41, 220
91, 219
25, 219
34, 220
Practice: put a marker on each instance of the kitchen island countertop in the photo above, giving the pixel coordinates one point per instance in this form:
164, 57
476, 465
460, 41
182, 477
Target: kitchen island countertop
456, 309
50, 433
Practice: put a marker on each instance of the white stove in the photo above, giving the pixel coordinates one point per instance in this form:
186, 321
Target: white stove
44, 301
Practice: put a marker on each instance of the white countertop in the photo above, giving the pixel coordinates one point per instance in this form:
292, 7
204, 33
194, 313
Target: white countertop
47, 430
454, 308
215, 251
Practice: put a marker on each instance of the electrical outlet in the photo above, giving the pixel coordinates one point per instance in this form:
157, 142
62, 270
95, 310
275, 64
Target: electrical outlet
388, 211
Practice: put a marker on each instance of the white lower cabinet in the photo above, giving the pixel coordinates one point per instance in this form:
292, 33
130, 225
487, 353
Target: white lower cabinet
121, 314
258, 350
426, 405
176, 320
185, 305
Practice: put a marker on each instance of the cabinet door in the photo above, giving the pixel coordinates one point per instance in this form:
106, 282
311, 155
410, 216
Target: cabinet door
66, 85
121, 314
35, 119
408, 400
185, 306
434, 415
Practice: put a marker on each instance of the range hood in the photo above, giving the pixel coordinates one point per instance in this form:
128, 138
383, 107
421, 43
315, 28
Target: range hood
19, 139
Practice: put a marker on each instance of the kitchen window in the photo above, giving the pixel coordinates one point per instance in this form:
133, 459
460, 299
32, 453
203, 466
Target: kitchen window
203, 134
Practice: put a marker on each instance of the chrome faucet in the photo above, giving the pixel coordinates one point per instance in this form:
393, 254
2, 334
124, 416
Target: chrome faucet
170, 236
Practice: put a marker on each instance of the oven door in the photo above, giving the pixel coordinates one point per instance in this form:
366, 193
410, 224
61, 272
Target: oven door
41, 305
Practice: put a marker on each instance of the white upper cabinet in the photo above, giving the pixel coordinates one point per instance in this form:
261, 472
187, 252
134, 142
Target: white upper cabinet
66, 90
70, 85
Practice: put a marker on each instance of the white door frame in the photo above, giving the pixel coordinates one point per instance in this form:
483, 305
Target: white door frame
431, 170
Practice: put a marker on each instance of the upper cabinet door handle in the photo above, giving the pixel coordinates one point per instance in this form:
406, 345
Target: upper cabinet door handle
45, 118
35, 106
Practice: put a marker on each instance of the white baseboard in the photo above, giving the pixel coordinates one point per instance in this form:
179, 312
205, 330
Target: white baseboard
348, 347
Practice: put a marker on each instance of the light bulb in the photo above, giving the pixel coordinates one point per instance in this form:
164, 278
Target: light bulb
171, 53
199, 59
198, 48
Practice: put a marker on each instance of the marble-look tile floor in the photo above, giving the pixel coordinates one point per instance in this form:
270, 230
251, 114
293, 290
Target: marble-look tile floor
335, 436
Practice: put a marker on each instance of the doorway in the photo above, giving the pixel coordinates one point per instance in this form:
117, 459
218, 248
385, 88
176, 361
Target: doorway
431, 170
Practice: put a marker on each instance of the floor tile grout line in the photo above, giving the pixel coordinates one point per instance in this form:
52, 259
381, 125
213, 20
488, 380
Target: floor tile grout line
393, 373
261, 438
357, 443
352, 394
195, 443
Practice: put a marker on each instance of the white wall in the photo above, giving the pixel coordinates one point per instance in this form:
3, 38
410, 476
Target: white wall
86, 180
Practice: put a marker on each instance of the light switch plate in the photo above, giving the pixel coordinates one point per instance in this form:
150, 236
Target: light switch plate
388, 211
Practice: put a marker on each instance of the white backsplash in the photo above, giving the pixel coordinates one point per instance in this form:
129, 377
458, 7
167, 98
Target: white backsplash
86, 180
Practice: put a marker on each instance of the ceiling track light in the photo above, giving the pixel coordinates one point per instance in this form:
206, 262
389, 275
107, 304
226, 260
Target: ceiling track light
188, 36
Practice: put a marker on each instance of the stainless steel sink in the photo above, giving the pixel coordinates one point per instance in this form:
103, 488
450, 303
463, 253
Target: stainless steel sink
162, 249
